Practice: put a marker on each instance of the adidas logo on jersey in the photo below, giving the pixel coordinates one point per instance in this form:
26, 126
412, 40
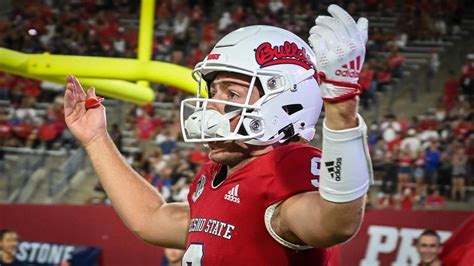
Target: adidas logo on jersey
351, 70
334, 168
233, 194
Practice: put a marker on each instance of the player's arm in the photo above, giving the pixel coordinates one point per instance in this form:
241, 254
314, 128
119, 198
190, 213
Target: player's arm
335, 213
307, 219
138, 203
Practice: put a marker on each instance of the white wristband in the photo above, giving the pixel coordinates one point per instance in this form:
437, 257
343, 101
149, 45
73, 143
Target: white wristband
346, 168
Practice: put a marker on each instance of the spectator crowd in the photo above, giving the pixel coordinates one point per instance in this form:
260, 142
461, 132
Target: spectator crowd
423, 161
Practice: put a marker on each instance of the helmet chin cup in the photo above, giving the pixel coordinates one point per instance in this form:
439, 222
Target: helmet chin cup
209, 124
284, 66
205, 124
308, 134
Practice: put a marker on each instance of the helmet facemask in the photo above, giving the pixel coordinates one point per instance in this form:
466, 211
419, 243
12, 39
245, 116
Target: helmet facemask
202, 124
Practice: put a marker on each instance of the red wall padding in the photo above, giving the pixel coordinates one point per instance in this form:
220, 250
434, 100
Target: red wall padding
90, 225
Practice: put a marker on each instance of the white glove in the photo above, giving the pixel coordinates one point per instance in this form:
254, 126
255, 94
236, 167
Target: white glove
339, 44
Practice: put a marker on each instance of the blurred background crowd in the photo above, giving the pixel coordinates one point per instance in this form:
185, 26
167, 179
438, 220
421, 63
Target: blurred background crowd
421, 160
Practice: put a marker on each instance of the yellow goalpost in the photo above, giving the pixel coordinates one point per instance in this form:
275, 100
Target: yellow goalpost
112, 77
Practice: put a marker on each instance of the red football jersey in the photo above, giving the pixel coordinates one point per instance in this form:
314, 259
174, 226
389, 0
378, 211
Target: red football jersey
227, 221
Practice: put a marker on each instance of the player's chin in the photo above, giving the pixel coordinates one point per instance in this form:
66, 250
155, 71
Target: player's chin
221, 159
226, 157
217, 155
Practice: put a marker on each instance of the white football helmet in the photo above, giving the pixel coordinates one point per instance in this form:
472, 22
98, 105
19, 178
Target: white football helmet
283, 64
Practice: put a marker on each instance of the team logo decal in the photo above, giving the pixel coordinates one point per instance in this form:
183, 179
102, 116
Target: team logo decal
288, 53
199, 188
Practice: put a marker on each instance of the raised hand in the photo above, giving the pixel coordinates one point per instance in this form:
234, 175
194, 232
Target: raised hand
339, 44
86, 124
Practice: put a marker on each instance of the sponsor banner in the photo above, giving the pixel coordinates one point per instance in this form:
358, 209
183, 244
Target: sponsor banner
388, 237
50, 254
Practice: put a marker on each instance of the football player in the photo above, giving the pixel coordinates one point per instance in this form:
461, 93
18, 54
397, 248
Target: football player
266, 197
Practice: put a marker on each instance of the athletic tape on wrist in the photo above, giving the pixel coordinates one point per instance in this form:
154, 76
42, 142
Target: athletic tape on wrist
334, 93
346, 168
338, 91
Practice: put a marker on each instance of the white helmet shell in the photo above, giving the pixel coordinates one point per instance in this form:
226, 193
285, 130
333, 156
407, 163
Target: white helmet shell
285, 67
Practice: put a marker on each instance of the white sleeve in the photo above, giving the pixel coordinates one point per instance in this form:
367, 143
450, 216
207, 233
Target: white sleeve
346, 168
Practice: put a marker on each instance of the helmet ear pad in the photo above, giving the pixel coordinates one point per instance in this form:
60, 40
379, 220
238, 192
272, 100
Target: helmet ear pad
292, 111
209, 77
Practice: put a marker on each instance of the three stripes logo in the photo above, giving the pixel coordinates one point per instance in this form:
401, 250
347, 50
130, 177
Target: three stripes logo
350, 70
334, 168
233, 194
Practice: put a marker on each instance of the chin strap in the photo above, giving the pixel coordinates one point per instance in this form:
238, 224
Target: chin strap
308, 134
276, 139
